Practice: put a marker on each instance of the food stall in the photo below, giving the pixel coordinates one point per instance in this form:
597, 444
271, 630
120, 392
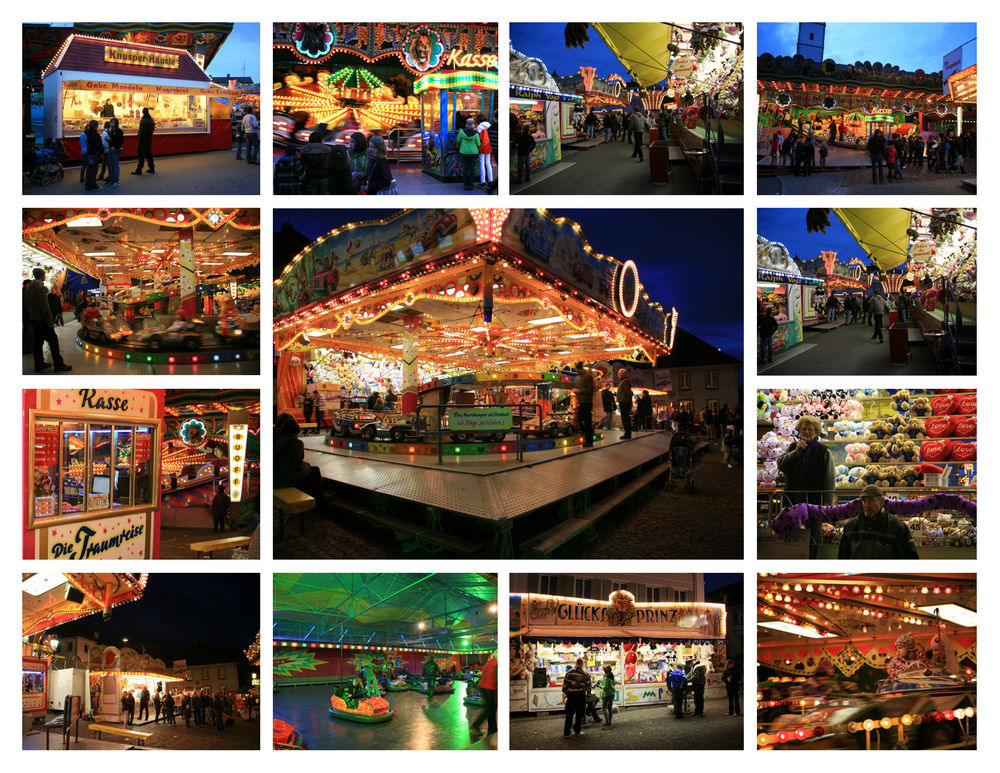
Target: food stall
113, 671
92, 476
640, 641
918, 445
96, 79
536, 100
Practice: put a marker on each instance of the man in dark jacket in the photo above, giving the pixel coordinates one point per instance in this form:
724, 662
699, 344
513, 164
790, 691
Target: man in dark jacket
625, 403
731, 677
95, 152
146, 128
584, 390
42, 331
698, 678
876, 149
576, 685
144, 704
157, 705
875, 533
677, 683
766, 328
220, 508
525, 145
608, 402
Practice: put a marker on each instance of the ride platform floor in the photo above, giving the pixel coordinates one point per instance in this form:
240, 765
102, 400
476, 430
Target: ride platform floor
88, 363
491, 487
441, 722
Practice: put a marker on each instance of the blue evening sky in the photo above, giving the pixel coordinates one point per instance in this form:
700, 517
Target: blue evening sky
687, 258
788, 226
240, 54
545, 41
908, 45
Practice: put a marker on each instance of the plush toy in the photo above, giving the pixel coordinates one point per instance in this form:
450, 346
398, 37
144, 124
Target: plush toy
935, 450
921, 406
966, 404
908, 476
877, 452
963, 451
889, 477
942, 405
939, 426
965, 426
879, 429
856, 477
873, 473
915, 428
901, 401
857, 453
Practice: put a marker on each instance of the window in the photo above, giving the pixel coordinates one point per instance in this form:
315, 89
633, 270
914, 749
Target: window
711, 379
652, 595
221, 672
204, 675
685, 380
713, 407
618, 586
547, 584
583, 589
680, 594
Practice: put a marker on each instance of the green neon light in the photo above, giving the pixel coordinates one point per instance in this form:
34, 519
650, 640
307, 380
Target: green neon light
460, 79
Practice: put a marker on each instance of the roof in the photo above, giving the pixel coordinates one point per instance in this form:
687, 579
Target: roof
388, 608
690, 351
86, 54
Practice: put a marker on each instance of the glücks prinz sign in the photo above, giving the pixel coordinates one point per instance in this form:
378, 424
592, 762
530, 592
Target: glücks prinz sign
621, 611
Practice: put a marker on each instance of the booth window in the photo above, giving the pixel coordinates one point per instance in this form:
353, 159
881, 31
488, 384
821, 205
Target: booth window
32, 682
534, 114
89, 468
204, 675
173, 113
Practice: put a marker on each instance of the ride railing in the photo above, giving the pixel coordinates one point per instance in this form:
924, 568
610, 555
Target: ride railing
517, 427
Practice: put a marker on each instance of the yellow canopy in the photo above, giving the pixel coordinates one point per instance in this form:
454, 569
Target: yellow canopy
641, 47
880, 232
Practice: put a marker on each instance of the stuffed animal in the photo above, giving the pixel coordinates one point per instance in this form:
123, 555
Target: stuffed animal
942, 405
965, 426
889, 477
902, 401
966, 404
879, 429
939, 426
915, 429
895, 445
963, 451
921, 406
935, 450
857, 453
856, 477
877, 452
908, 476
873, 473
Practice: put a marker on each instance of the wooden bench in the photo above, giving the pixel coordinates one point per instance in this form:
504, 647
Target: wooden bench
209, 546
289, 501
309, 428
135, 735
544, 543
420, 533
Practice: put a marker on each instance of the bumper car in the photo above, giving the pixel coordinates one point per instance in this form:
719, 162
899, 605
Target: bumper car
155, 338
284, 736
354, 422
368, 710
397, 685
442, 686
473, 697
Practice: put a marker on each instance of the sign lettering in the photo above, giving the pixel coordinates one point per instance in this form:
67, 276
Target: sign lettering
466, 60
84, 546
88, 400
480, 419
132, 56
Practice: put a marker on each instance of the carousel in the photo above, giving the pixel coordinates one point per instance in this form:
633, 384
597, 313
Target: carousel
866, 661
153, 286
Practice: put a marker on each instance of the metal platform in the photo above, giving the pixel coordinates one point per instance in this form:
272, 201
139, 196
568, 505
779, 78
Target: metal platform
489, 488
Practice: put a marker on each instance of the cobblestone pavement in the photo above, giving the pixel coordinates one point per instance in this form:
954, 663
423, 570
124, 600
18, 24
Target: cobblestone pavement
859, 180
706, 523
648, 727
216, 171
326, 538
244, 734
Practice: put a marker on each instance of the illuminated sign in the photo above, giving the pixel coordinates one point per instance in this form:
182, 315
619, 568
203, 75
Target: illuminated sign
480, 419
628, 309
193, 433
692, 620
237, 460
114, 402
132, 56
113, 539
464, 59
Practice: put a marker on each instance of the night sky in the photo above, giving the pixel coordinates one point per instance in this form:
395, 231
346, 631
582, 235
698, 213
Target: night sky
788, 226
219, 611
545, 41
909, 45
720, 580
695, 265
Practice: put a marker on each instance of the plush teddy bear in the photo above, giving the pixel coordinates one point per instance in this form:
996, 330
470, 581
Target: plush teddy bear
908, 476
873, 472
921, 406
915, 428
877, 452
901, 400
889, 477
856, 477
879, 429
857, 453
894, 445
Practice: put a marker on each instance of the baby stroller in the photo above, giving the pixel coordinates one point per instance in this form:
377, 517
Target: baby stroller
43, 165
681, 461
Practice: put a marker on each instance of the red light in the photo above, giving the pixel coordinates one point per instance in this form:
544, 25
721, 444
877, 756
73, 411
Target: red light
782, 736
819, 731
857, 589
947, 590
936, 590
503, 448
170, 359
800, 734
949, 714
938, 716
412, 450
927, 718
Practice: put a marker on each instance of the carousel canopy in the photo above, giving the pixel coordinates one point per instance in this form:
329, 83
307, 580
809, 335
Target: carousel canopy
485, 289
880, 232
850, 620
50, 599
441, 611
126, 244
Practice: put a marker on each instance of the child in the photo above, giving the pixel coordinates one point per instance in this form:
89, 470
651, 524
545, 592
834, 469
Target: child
592, 707
823, 150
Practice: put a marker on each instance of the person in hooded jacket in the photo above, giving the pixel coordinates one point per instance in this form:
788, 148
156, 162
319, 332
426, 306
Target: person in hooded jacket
114, 141
95, 151
290, 467
315, 157
467, 142
145, 152
485, 152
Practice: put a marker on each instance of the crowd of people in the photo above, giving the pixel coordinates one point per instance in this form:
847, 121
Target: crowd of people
945, 151
361, 167
685, 679
202, 705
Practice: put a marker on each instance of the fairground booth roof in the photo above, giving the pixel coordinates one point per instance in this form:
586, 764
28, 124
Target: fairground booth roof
446, 612
198, 418
41, 43
851, 620
483, 289
862, 88
125, 244
49, 599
